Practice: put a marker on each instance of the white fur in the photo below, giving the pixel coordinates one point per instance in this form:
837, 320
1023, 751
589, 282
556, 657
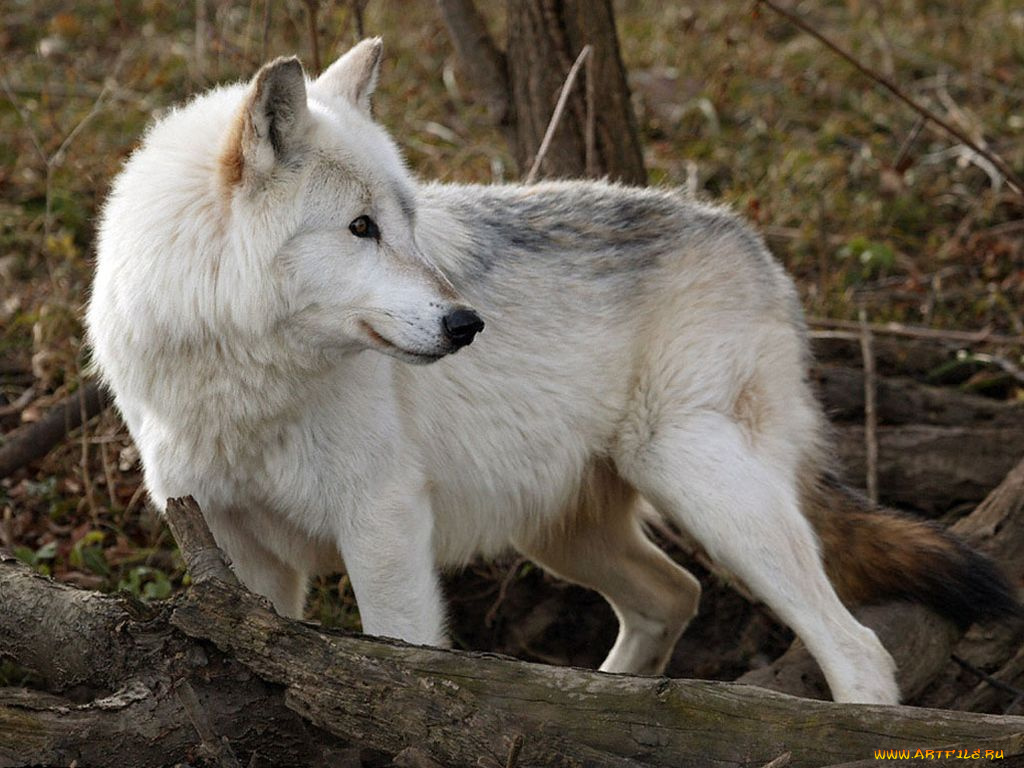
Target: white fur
230, 320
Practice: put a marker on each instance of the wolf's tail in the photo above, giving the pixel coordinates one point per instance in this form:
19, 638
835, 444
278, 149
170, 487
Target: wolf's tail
874, 554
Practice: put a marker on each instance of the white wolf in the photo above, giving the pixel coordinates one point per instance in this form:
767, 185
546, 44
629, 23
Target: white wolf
268, 270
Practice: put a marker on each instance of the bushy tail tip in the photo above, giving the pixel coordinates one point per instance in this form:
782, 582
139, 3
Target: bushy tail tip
872, 555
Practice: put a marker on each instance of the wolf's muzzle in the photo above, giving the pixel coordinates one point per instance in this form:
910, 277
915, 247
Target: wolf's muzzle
461, 325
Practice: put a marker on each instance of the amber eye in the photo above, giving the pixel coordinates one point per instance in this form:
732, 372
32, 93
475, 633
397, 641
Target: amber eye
364, 226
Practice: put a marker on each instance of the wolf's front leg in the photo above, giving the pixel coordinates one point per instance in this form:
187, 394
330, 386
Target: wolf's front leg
389, 557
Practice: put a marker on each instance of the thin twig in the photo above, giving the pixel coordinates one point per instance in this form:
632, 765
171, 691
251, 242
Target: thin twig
981, 698
510, 575
556, 117
57, 158
1006, 228
781, 761
90, 497
844, 335
1009, 368
36, 144
902, 161
917, 332
1008, 173
514, 748
53, 161
987, 678
20, 404
130, 507
590, 134
108, 475
870, 409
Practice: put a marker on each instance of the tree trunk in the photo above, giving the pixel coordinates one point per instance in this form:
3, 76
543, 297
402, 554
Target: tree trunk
597, 134
544, 38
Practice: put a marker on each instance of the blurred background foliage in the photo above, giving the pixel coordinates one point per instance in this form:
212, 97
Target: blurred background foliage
864, 205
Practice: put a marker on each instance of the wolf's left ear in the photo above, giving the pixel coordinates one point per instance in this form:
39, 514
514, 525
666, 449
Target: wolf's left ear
271, 123
354, 76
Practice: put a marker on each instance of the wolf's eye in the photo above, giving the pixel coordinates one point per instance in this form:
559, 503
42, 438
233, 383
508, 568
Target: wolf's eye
364, 226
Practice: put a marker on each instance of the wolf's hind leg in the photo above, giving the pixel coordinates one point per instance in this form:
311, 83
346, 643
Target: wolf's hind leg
703, 471
604, 548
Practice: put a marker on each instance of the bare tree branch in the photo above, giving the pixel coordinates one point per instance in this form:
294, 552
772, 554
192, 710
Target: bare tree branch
203, 557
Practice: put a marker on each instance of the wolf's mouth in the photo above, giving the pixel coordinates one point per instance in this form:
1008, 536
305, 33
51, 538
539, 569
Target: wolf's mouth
372, 333
388, 346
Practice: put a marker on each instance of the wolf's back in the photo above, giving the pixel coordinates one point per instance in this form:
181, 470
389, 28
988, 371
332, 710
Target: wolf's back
873, 554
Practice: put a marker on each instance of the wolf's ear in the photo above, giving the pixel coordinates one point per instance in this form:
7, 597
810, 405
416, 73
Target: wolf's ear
272, 122
354, 76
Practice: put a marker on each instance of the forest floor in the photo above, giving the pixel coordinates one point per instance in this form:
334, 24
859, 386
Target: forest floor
866, 207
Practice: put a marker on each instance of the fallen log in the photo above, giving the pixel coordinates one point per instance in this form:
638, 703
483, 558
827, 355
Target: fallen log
996, 527
904, 400
115, 670
932, 469
33, 441
459, 709
938, 448
932, 361
189, 662
147, 723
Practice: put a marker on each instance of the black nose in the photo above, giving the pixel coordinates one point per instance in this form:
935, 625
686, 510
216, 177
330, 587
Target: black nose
462, 325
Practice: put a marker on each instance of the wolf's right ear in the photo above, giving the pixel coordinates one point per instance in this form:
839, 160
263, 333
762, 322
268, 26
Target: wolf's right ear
271, 124
353, 77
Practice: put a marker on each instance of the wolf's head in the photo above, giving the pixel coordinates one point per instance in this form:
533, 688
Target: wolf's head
270, 219
353, 274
